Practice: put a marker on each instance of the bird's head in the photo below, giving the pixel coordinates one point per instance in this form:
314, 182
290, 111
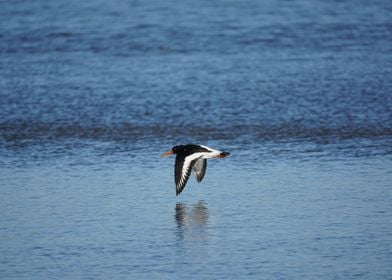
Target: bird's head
174, 150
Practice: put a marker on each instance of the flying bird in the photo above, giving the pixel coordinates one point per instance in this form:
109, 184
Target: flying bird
190, 157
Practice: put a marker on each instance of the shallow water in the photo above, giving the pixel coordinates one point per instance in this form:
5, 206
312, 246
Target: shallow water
299, 92
121, 219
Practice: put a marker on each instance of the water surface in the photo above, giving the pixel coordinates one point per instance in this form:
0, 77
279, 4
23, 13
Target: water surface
298, 91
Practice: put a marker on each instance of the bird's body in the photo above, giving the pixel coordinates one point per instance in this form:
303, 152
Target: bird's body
190, 157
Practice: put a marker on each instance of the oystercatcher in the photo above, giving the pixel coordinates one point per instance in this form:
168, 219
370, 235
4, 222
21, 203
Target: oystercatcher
191, 156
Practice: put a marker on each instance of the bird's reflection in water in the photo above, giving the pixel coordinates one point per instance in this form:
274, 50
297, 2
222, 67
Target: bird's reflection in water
192, 221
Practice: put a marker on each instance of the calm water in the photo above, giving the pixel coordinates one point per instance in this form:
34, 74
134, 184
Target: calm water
300, 92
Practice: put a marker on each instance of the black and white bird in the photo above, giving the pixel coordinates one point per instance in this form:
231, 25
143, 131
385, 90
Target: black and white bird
190, 157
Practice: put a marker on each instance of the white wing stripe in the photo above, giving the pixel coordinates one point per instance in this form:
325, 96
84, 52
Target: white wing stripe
186, 167
187, 163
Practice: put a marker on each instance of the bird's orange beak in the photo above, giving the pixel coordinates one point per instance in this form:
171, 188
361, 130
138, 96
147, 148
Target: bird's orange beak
168, 153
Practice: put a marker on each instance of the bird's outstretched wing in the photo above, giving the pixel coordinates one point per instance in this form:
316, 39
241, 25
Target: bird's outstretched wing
182, 170
199, 169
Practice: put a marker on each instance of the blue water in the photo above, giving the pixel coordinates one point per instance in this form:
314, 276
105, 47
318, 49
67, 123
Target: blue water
298, 91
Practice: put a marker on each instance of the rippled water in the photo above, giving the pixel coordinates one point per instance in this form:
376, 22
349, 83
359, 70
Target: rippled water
298, 91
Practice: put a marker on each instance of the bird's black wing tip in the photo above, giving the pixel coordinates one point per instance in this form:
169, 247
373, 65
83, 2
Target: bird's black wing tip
179, 190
